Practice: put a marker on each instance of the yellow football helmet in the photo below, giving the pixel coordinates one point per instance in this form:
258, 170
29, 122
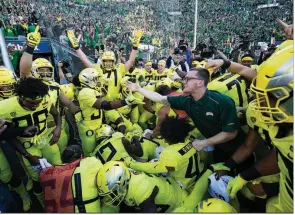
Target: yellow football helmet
177, 83
284, 45
112, 182
91, 78
215, 206
108, 60
7, 83
165, 81
43, 69
104, 131
68, 90
273, 88
202, 64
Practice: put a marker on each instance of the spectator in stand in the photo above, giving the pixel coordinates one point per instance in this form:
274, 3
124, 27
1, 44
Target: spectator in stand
63, 39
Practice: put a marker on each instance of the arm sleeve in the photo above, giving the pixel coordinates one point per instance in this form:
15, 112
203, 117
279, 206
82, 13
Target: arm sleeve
88, 97
145, 191
229, 118
176, 102
152, 168
198, 192
11, 132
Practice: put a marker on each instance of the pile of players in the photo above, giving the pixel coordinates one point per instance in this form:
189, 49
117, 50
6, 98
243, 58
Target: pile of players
130, 158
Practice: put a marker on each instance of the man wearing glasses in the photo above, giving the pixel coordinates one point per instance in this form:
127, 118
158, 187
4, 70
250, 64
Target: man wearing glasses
213, 113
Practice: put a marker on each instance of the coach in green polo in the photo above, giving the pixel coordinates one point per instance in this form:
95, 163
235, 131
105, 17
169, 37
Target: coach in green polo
213, 113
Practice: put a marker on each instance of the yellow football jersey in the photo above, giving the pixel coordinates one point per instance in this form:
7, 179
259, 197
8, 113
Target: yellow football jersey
284, 147
149, 148
148, 76
111, 116
232, 85
186, 162
134, 75
83, 184
111, 148
12, 111
141, 186
285, 150
115, 76
167, 73
92, 117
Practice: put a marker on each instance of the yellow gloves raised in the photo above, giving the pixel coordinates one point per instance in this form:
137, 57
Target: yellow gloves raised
34, 38
73, 41
135, 40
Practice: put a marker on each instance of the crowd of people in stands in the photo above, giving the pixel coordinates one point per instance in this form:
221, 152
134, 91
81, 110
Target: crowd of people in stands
108, 22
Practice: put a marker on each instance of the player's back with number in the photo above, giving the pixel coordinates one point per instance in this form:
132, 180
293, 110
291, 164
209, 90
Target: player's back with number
185, 161
92, 117
233, 86
111, 148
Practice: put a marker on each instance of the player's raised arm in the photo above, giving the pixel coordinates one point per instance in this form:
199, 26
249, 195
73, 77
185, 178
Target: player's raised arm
75, 44
156, 97
135, 43
106, 105
244, 71
33, 39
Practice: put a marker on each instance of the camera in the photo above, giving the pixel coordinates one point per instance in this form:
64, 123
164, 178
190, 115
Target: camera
65, 64
182, 45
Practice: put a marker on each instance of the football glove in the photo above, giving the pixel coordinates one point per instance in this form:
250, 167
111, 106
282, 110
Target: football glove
219, 166
34, 38
132, 100
73, 41
235, 185
135, 40
43, 164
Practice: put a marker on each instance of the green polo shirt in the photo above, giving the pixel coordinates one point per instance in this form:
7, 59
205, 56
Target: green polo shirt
212, 114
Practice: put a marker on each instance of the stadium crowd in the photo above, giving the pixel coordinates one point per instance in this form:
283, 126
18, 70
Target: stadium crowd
103, 21
191, 131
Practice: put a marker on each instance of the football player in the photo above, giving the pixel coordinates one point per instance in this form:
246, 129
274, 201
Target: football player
7, 83
92, 105
71, 188
110, 145
180, 158
108, 66
7, 90
162, 111
273, 89
150, 193
193, 202
162, 71
148, 71
43, 69
31, 107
